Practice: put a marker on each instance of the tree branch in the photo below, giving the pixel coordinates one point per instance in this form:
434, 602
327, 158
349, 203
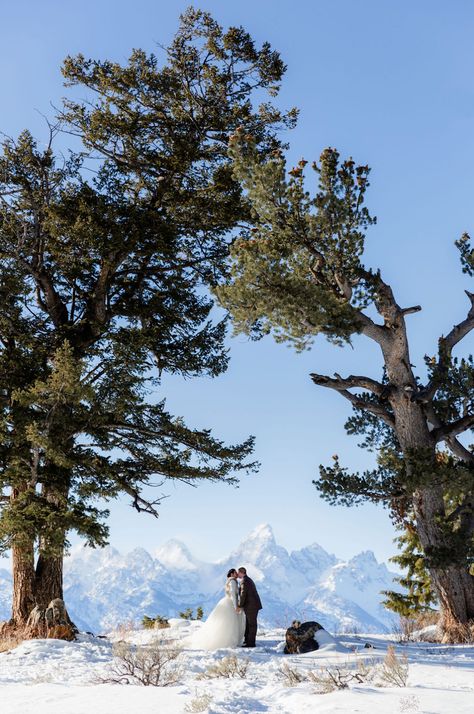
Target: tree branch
342, 385
338, 382
410, 310
140, 504
445, 349
456, 427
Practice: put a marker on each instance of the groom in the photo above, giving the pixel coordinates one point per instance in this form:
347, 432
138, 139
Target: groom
250, 603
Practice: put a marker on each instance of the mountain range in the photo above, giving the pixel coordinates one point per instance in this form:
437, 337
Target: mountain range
104, 588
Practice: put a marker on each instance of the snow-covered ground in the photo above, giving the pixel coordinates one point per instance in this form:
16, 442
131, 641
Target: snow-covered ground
56, 677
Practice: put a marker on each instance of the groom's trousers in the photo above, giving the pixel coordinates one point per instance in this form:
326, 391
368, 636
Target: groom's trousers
250, 627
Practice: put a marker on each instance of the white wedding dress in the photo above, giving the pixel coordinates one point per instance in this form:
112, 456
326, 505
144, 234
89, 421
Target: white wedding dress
224, 627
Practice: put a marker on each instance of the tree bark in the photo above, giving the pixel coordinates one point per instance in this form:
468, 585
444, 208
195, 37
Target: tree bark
453, 583
23, 571
48, 579
36, 586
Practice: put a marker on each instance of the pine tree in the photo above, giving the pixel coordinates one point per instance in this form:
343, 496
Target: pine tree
105, 262
418, 595
299, 272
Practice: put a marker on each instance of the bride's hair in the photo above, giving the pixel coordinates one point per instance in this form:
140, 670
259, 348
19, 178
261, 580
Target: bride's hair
231, 572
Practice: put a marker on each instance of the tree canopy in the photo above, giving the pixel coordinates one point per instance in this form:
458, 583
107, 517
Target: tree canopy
106, 258
299, 272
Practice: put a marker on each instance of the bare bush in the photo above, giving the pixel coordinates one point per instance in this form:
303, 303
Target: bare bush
200, 703
290, 676
407, 627
394, 672
427, 618
410, 704
149, 665
125, 629
329, 679
229, 667
404, 629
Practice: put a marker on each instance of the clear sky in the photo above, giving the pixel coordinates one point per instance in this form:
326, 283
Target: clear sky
390, 84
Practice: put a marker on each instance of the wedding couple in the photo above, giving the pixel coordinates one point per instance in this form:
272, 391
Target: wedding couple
233, 622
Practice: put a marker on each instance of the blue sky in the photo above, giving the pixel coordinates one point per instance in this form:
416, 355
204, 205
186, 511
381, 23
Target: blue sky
390, 84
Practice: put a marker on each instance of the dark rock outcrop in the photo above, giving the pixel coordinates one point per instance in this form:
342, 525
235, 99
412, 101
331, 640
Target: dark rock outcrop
300, 637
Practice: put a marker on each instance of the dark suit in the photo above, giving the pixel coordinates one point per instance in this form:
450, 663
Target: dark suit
250, 603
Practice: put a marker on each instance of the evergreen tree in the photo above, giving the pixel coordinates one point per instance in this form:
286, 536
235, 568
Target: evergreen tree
418, 593
104, 285
299, 272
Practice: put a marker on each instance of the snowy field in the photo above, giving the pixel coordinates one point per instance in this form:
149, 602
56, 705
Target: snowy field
56, 677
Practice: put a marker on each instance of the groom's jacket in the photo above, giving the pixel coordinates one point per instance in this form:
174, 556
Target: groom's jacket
249, 598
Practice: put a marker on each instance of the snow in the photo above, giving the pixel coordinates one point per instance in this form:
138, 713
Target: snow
56, 677
104, 588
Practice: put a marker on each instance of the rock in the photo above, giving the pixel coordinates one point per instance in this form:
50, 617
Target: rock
300, 637
51, 623
55, 613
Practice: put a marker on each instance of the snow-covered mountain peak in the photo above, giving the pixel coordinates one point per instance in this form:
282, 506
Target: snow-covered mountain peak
260, 550
262, 534
175, 555
366, 559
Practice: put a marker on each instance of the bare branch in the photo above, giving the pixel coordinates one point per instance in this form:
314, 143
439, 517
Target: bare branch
141, 504
456, 427
445, 349
410, 310
342, 385
338, 382
369, 328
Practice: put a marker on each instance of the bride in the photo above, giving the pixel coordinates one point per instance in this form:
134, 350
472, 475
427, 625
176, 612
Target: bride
225, 626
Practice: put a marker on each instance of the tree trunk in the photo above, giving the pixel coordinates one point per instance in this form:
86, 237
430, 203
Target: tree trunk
36, 586
453, 583
23, 571
455, 588
48, 579
49, 566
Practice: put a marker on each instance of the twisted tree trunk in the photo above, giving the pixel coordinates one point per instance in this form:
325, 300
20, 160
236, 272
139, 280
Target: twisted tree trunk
452, 581
413, 418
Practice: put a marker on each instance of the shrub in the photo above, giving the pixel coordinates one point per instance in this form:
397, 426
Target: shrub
148, 665
406, 627
188, 614
200, 703
229, 667
157, 622
394, 672
290, 676
329, 679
